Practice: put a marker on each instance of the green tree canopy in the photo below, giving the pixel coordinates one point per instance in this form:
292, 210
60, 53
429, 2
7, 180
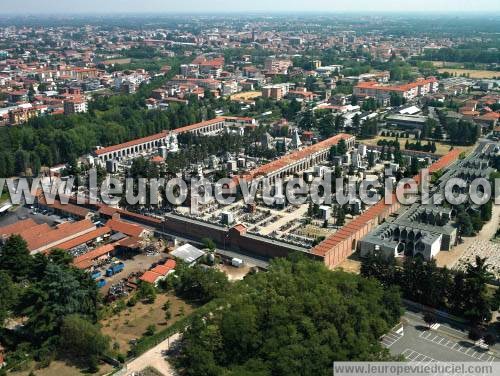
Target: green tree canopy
15, 258
8, 295
293, 320
82, 341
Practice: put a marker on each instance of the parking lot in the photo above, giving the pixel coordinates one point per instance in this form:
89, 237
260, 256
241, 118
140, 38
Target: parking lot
465, 348
21, 213
417, 343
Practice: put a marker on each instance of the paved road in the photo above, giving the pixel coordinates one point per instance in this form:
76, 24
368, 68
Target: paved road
153, 358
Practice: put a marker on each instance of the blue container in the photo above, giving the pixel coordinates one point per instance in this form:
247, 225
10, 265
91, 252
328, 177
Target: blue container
95, 274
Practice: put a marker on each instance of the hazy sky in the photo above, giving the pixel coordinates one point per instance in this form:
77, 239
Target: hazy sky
192, 6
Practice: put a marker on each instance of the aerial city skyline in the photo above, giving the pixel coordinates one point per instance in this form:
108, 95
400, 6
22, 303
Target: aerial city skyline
259, 188
197, 6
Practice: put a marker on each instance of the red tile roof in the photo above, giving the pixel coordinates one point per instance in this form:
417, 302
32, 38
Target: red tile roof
155, 137
38, 236
137, 141
157, 159
17, 227
150, 277
130, 242
296, 156
171, 263
92, 235
107, 210
125, 228
404, 87
92, 255
351, 228
490, 116
43, 235
445, 160
158, 271
66, 208
161, 269
202, 124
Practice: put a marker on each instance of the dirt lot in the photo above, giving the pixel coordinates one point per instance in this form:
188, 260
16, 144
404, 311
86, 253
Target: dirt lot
140, 263
233, 273
472, 72
351, 265
60, 368
248, 95
441, 148
154, 358
445, 64
131, 323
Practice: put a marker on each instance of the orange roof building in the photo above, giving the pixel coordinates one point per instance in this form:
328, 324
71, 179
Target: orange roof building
42, 237
409, 91
150, 142
87, 259
129, 229
80, 240
150, 277
64, 209
159, 272
17, 227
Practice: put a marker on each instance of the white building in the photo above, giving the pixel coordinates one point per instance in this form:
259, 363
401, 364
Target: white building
75, 106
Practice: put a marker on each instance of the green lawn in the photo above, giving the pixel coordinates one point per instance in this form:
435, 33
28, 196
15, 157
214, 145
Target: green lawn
4, 195
441, 148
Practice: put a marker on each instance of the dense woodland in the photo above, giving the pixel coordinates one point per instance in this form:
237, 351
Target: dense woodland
463, 293
473, 53
60, 304
294, 319
460, 132
297, 316
47, 141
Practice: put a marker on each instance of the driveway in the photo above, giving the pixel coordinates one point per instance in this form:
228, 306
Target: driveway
154, 358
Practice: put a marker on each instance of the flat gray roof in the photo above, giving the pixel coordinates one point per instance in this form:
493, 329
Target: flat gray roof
188, 253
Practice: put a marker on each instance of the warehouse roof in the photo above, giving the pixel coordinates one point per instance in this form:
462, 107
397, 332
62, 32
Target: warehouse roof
101, 231
188, 253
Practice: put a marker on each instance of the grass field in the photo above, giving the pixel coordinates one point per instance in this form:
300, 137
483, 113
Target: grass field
471, 72
445, 64
60, 368
125, 60
441, 148
132, 322
3, 195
